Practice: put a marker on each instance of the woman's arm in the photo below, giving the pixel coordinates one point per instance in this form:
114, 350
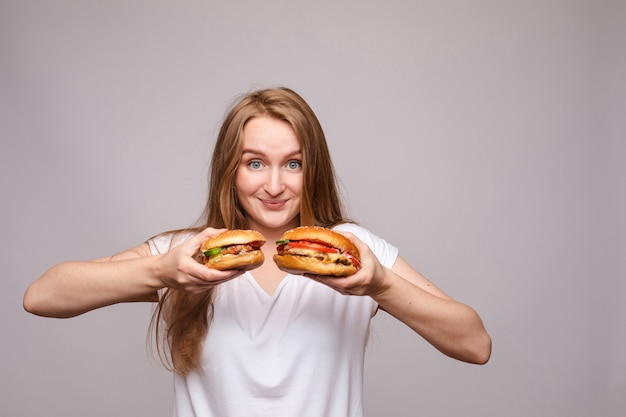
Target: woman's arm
453, 328
73, 288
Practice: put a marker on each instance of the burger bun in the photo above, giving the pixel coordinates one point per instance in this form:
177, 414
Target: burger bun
240, 249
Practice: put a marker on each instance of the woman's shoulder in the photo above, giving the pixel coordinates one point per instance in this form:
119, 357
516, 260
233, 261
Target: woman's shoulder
351, 227
165, 241
384, 251
356, 229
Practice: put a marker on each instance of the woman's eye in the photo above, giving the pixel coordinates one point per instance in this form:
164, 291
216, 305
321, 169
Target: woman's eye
255, 164
294, 164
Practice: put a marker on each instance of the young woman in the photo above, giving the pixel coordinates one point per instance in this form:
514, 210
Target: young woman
265, 342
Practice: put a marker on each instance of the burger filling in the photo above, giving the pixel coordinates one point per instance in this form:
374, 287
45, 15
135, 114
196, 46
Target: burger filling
326, 254
238, 249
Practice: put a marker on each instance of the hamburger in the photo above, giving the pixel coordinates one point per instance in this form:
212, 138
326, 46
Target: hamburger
233, 249
316, 250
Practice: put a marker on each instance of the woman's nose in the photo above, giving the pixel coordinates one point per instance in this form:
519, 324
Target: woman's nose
274, 184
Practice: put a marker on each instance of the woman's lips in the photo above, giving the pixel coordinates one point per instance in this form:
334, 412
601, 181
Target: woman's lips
274, 204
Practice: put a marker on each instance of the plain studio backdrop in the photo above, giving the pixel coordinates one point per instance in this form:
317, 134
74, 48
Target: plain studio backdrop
485, 139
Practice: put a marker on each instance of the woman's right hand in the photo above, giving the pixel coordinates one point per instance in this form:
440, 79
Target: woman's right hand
178, 268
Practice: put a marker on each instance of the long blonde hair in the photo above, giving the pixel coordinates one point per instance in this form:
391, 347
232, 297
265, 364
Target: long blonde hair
187, 319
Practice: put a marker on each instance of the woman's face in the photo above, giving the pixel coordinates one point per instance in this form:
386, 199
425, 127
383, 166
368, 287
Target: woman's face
269, 176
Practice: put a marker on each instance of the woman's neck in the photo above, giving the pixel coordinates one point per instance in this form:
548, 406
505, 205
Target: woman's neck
271, 234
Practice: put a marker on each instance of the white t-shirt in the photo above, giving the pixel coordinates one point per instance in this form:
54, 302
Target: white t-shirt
297, 353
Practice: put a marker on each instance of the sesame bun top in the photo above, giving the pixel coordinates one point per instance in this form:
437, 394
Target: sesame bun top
233, 237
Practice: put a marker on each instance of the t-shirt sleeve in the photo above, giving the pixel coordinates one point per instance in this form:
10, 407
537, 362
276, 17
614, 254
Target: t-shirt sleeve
384, 251
165, 242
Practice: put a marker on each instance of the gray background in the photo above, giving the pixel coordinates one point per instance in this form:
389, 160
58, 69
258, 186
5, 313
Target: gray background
484, 138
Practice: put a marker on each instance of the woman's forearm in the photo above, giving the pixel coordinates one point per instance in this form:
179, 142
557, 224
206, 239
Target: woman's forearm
452, 327
72, 288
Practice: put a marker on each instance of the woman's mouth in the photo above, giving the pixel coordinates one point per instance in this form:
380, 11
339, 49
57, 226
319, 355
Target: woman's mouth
274, 204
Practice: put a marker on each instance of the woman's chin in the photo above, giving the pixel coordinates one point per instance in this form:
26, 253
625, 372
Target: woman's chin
274, 223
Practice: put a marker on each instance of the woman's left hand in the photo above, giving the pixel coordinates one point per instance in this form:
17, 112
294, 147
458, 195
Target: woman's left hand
366, 281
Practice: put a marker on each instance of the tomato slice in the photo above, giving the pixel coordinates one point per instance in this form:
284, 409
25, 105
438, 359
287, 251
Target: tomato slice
318, 247
354, 261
